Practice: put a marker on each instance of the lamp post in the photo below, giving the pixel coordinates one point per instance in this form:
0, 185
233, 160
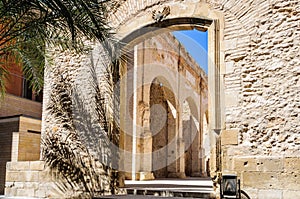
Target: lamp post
230, 187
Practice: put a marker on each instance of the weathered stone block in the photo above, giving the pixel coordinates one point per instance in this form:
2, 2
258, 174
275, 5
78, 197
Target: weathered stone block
18, 185
229, 67
25, 192
10, 191
19, 166
31, 185
261, 180
229, 137
145, 176
244, 164
28, 176
231, 98
37, 166
292, 164
290, 181
12, 176
270, 164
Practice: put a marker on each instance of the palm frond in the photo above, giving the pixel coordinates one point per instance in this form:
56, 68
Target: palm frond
59, 23
63, 150
3, 77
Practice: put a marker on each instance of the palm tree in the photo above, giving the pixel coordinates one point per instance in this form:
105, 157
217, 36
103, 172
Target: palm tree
26, 25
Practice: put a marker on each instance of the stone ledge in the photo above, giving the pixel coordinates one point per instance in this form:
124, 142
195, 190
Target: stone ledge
271, 180
18, 166
37, 165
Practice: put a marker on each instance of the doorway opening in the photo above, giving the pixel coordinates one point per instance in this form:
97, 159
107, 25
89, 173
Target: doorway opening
172, 93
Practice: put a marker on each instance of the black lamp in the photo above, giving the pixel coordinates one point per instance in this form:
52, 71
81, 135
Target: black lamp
230, 186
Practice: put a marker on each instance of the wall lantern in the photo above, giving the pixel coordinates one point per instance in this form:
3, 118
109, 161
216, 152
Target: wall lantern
230, 187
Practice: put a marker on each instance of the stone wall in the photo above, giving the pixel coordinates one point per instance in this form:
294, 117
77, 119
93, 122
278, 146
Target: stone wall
259, 73
262, 87
32, 179
257, 64
6, 146
262, 74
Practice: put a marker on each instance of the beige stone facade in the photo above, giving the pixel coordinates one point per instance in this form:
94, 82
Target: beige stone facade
253, 83
253, 87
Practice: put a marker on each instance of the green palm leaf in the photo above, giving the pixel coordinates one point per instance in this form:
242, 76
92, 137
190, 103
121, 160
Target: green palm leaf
27, 25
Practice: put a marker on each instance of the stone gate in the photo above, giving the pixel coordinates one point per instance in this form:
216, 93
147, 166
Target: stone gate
163, 106
253, 83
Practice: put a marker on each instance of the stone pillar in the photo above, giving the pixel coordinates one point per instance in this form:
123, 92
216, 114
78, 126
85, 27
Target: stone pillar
144, 135
126, 89
176, 165
196, 147
146, 157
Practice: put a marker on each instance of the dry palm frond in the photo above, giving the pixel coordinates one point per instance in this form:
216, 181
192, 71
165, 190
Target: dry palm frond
63, 150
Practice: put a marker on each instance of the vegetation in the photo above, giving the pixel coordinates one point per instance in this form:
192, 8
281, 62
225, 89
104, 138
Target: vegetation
27, 25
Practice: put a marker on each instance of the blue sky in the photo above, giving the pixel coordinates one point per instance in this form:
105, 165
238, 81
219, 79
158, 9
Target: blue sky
195, 43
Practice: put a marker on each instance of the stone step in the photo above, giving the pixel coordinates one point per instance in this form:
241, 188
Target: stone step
186, 193
128, 196
189, 187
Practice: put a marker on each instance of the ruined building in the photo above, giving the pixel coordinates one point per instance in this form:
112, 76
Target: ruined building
253, 92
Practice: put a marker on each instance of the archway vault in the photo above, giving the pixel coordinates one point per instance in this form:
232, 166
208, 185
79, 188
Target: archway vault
197, 15
142, 26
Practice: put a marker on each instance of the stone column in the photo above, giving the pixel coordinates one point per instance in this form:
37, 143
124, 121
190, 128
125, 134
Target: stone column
144, 139
126, 87
176, 164
196, 147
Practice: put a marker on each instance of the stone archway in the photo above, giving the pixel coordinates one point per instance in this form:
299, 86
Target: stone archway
162, 125
202, 17
237, 53
165, 74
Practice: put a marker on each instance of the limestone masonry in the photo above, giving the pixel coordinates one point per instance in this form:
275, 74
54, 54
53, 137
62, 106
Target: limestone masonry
253, 83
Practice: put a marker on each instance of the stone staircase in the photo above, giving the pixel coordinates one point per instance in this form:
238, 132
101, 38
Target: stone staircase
169, 188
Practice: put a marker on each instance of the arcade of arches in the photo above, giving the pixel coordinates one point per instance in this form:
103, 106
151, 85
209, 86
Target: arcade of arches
253, 105
165, 125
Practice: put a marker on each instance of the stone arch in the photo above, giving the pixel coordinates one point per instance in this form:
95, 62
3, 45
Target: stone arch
169, 87
189, 15
163, 111
214, 26
225, 50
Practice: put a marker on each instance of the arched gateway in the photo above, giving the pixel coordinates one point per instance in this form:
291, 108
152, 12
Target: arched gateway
143, 26
253, 92
164, 98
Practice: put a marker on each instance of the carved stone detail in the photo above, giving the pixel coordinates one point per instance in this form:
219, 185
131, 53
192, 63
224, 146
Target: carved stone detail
161, 15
